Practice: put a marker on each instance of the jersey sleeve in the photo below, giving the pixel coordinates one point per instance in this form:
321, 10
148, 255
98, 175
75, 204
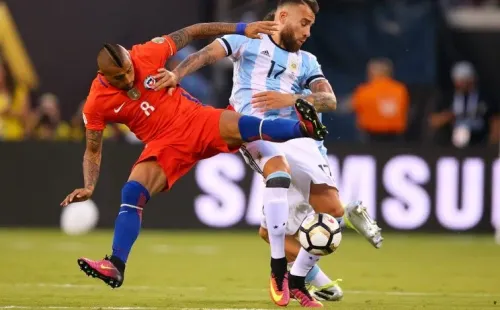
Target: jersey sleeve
233, 44
157, 51
92, 116
313, 70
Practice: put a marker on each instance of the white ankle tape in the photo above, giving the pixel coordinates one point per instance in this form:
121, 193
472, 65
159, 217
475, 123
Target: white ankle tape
130, 206
260, 128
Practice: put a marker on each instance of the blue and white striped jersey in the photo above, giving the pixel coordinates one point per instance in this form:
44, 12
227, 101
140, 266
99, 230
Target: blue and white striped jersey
262, 65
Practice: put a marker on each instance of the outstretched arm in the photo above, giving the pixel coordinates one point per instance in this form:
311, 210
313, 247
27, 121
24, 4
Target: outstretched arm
184, 36
92, 158
208, 55
211, 53
91, 168
204, 57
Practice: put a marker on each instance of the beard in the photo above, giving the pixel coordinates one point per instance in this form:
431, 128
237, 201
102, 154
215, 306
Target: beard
289, 41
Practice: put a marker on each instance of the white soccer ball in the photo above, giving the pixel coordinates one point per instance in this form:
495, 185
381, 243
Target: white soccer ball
79, 218
320, 234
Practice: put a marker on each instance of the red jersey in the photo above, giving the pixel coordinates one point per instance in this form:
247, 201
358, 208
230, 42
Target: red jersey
155, 114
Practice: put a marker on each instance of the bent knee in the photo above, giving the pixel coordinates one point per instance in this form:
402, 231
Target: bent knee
229, 128
325, 199
334, 209
276, 164
337, 212
150, 174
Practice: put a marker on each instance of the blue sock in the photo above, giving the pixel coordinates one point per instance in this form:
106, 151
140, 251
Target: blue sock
128, 222
277, 130
312, 274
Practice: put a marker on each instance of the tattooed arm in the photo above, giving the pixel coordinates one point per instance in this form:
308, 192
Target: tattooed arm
184, 36
208, 55
322, 96
91, 167
92, 158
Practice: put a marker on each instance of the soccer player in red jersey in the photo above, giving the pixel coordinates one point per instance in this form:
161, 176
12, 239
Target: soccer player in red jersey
175, 127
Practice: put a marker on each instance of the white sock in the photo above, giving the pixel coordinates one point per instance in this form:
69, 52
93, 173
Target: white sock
317, 277
303, 263
276, 212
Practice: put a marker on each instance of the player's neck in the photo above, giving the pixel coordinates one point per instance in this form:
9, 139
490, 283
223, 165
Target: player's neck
276, 38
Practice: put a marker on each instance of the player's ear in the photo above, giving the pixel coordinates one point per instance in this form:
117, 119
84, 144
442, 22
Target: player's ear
282, 16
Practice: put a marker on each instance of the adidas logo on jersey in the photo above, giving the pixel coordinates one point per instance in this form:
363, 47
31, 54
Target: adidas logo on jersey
265, 53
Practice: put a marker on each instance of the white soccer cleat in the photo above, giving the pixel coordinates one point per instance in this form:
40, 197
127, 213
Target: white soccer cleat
359, 219
329, 292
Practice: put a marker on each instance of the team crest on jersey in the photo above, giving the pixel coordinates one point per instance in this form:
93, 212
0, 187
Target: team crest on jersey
158, 40
149, 82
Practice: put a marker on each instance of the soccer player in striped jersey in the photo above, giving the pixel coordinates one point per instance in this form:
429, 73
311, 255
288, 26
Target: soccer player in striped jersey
270, 75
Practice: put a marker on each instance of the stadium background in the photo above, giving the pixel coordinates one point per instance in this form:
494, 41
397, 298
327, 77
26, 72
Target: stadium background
415, 35
420, 183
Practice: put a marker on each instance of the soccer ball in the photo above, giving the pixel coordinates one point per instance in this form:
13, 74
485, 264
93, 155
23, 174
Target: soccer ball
320, 234
79, 218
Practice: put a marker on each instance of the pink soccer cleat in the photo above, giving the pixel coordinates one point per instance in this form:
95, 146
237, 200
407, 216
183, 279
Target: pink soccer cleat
304, 298
102, 269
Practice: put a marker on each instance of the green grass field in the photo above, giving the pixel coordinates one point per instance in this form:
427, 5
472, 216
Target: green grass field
180, 270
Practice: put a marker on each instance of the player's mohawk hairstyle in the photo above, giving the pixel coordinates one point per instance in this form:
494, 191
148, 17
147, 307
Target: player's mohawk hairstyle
114, 51
313, 4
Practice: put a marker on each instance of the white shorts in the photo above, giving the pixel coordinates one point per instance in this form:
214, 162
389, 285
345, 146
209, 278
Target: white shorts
307, 165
